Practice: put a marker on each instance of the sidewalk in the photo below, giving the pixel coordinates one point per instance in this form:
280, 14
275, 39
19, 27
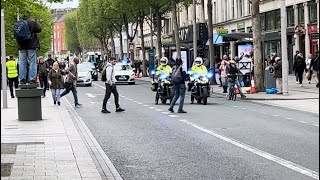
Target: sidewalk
304, 98
52, 148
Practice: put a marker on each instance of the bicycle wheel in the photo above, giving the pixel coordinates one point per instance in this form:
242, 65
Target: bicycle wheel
234, 95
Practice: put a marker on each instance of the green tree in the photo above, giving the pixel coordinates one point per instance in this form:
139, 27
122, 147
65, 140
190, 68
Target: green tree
71, 32
36, 11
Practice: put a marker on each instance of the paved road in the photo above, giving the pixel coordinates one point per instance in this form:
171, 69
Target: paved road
223, 140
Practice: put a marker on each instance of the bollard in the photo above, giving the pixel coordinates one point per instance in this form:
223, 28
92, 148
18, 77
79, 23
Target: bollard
29, 102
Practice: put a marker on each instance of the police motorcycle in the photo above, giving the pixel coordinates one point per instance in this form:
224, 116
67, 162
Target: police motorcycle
163, 87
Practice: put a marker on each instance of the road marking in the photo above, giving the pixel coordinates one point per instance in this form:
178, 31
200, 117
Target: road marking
258, 152
165, 112
151, 107
244, 108
140, 103
303, 122
275, 115
253, 110
135, 101
235, 106
289, 118
316, 125
99, 85
130, 99
173, 116
146, 105
90, 95
159, 110
263, 112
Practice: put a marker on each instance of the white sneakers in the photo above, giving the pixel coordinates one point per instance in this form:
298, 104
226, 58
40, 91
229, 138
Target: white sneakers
297, 82
301, 85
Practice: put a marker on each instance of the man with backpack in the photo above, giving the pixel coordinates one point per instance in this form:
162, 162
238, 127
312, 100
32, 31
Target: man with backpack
110, 81
25, 33
178, 77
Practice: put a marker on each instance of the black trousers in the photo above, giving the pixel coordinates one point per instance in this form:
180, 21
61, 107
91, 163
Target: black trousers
74, 92
299, 77
111, 89
43, 83
12, 81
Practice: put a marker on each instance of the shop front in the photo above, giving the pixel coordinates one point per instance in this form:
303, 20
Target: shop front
314, 38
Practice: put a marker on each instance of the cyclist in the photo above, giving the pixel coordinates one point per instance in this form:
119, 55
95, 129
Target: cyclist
232, 72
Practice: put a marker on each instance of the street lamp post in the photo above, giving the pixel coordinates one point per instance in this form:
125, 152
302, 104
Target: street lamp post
284, 50
3, 57
194, 29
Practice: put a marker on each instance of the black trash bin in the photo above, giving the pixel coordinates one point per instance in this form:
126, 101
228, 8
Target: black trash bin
270, 79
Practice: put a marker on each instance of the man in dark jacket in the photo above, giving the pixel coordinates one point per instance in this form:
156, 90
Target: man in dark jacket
180, 89
278, 72
299, 66
49, 61
43, 71
315, 66
28, 51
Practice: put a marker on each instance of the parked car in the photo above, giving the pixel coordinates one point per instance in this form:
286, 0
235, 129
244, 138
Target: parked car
93, 70
84, 75
124, 74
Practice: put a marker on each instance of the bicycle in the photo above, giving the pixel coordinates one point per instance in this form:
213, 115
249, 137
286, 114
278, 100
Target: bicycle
232, 91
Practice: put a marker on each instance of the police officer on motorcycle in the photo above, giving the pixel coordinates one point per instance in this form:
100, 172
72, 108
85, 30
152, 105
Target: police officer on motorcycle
199, 68
164, 68
163, 73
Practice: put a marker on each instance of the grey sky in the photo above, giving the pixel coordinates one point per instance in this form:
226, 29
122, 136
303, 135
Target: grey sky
65, 4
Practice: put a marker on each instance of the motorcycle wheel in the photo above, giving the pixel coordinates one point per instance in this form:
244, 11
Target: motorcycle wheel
205, 96
157, 99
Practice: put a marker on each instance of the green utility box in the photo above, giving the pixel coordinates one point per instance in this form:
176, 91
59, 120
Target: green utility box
29, 103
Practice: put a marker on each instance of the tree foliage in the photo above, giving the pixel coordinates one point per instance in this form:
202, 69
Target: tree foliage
71, 32
35, 10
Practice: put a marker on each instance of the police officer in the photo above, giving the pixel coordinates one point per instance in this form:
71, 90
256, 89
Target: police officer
12, 69
199, 68
163, 68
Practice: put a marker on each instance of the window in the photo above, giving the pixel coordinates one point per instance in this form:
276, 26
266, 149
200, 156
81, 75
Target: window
263, 21
277, 19
312, 12
249, 8
300, 14
233, 9
226, 12
240, 8
290, 16
215, 12
270, 20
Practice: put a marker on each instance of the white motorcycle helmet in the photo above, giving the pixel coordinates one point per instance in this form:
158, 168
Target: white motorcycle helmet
164, 61
198, 61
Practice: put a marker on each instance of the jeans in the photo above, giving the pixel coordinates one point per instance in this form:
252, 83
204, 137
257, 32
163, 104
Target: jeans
43, 83
74, 92
236, 82
12, 81
180, 91
24, 56
111, 89
56, 95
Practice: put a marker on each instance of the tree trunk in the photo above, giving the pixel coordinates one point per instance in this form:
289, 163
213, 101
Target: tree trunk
121, 44
113, 47
159, 26
211, 45
126, 26
258, 63
144, 66
202, 19
176, 27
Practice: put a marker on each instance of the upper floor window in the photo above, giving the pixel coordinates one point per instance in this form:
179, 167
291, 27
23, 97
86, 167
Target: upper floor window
263, 21
233, 9
241, 8
312, 12
290, 16
270, 20
277, 19
300, 14
249, 8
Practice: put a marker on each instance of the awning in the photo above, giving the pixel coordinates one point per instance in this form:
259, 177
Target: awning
217, 39
238, 36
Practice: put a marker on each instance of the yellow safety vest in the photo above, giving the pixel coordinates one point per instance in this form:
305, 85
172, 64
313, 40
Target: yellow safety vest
12, 69
164, 69
202, 70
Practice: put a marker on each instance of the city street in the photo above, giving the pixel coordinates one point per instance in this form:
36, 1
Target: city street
223, 140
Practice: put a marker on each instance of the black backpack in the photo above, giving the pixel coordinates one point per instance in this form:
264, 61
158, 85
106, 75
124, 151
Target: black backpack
104, 74
21, 31
176, 76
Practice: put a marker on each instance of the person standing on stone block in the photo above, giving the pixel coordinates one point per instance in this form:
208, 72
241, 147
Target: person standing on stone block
25, 33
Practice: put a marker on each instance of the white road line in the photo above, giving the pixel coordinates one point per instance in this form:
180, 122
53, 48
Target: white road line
289, 118
146, 105
151, 107
303, 122
165, 112
130, 99
173, 116
235, 106
263, 112
283, 162
275, 115
316, 125
135, 101
140, 103
159, 110
99, 85
253, 110
244, 108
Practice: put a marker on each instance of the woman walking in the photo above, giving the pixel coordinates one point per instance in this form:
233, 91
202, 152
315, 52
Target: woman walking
223, 71
299, 66
55, 79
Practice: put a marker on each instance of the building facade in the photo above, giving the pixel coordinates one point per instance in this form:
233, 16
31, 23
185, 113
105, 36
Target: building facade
235, 17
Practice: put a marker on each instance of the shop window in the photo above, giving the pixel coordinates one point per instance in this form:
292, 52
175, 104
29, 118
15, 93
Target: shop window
312, 12
290, 16
300, 14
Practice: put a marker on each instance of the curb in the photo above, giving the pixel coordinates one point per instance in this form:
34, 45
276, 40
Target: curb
104, 165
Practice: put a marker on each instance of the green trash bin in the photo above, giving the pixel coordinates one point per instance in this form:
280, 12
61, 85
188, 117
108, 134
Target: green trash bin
29, 104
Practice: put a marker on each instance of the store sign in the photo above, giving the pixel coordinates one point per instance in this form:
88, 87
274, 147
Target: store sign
314, 36
222, 31
241, 25
185, 34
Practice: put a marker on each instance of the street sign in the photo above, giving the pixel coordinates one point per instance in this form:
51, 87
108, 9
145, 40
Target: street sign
244, 65
222, 31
